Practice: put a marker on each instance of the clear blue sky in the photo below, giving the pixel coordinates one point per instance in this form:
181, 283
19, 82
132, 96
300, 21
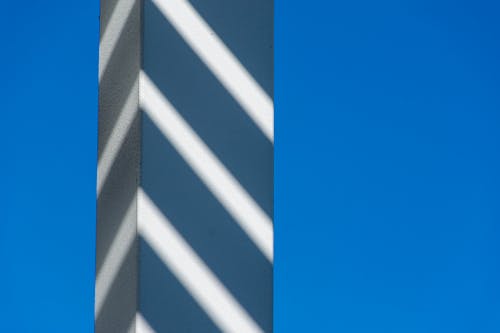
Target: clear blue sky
387, 166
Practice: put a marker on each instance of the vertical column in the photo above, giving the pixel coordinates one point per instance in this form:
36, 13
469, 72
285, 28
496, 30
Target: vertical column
201, 225
118, 166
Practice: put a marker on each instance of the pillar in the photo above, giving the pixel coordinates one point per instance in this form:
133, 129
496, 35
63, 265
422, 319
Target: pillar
185, 171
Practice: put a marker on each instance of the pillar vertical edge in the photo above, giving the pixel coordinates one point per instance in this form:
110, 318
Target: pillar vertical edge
116, 290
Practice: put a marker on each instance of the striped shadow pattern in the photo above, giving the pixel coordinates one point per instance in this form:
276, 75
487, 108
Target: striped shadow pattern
203, 202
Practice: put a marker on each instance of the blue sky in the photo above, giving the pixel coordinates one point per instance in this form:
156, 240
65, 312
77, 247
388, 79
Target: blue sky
387, 183
49, 136
386, 166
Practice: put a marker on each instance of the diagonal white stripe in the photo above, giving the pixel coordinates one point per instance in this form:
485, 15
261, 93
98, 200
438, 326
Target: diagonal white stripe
113, 32
223, 64
190, 269
251, 218
141, 325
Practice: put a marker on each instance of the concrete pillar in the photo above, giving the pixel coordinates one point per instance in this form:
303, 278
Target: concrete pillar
185, 174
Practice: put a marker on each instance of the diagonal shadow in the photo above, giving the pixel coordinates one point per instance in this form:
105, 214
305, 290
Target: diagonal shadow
119, 307
246, 27
204, 223
106, 10
164, 302
205, 104
117, 193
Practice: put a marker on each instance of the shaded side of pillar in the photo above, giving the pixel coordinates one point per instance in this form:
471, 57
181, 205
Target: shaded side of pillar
205, 216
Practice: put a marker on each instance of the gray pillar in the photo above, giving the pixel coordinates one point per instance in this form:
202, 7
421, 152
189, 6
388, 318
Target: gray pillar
116, 292
185, 174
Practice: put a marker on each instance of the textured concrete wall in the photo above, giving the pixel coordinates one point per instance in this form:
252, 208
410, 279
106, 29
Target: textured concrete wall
186, 93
